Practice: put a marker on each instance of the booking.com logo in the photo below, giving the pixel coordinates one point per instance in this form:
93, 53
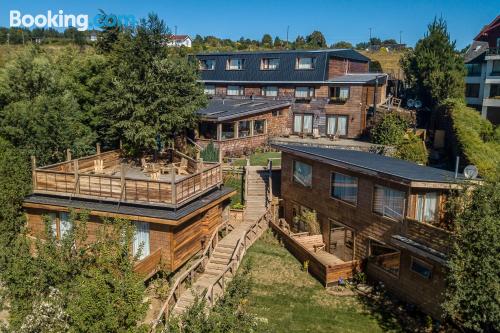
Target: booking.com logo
61, 20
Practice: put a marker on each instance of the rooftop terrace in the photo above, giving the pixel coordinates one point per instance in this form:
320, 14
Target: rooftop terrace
172, 180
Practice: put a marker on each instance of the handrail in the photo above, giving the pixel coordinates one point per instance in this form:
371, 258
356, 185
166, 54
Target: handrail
195, 144
165, 309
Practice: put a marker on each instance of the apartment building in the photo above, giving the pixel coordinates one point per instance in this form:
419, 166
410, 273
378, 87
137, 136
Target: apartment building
331, 91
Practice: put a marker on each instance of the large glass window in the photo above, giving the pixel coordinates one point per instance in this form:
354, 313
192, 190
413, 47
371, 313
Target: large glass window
243, 128
495, 90
304, 92
302, 173
337, 125
472, 90
64, 224
259, 127
269, 63
227, 131
473, 69
344, 187
207, 64
427, 207
305, 63
384, 257
421, 268
388, 202
496, 67
302, 123
235, 91
339, 94
270, 91
208, 130
141, 240
235, 64
209, 89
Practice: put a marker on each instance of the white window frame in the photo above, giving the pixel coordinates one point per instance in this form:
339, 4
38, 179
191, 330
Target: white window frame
309, 179
332, 188
239, 89
142, 231
209, 89
206, 68
305, 65
240, 63
309, 92
265, 64
273, 89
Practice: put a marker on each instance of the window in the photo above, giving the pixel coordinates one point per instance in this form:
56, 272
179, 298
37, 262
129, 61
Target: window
344, 187
235, 64
302, 173
227, 131
243, 128
276, 113
259, 127
339, 94
269, 63
305, 63
53, 223
495, 90
141, 240
270, 91
496, 68
388, 202
473, 69
337, 125
421, 268
235, 90
472, 90
426, 207
207, 65
302, 123
209, 89
304, 92
384, 257
208, 130
64, 224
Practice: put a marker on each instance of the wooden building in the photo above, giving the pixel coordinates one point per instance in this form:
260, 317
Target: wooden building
236, 125
331, 91
176, 203
385, 214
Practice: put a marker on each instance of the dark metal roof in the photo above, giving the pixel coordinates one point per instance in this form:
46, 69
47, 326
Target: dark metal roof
225, 109
419, 248
286, 71
476, 52
362, 78
128, 209
374, 162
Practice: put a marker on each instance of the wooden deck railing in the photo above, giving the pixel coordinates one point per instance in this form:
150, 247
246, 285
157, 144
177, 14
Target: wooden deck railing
187, 277
74, 179
150, 265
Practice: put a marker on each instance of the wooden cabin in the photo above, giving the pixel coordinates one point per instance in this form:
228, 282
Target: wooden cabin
236, 126
380, 212
176, 202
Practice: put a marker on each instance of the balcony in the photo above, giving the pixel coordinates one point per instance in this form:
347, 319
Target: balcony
493, 53
173, 180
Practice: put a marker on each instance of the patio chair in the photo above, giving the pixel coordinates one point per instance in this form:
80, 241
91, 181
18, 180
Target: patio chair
181, 167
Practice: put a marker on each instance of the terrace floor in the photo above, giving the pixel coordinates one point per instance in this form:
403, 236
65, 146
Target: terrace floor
326, 142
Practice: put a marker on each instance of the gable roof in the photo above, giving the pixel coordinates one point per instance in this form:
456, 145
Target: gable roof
286, 71
226, 109
488, 28
373, 163
178, 38
476, 52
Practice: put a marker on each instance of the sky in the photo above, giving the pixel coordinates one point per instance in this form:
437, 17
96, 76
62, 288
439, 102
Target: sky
336, 19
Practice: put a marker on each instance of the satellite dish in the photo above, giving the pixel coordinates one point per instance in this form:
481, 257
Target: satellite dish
418, 104
410, 103
470, 172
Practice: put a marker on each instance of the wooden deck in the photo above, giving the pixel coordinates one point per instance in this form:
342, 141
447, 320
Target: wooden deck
326, 267
110, 176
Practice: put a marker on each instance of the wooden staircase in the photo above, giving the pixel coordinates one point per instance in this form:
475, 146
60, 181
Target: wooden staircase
256, 192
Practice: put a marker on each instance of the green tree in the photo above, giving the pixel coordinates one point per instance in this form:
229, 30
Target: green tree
389, 129
278, 43
299, 43
342, 45
267, 41
93, 284
473, 286
154, 91
316, 40
413, 149
434, 70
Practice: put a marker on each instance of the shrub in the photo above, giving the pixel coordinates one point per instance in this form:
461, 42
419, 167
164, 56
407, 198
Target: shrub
389, 129
210, 153
311, 221
413, 149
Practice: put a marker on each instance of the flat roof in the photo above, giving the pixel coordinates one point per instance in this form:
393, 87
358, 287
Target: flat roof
219, 109
129, 209
374, 163
361, 78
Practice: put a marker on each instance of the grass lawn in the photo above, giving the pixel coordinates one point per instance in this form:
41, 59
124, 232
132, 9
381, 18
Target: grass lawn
291, 300
260, 159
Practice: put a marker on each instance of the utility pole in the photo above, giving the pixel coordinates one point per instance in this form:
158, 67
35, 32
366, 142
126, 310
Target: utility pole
287, 30
400, 32
370, 40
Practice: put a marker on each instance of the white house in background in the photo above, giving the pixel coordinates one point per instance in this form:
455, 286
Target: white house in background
179, 40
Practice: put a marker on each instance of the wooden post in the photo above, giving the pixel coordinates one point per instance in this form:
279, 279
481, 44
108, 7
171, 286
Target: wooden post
68, 154
77, 185
199, 165
174, 188
98, 148
122, 179
121, 145
33, 171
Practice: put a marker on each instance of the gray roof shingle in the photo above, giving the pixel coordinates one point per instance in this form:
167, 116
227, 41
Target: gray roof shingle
363, 78
286, 71
225, 109
374, 162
